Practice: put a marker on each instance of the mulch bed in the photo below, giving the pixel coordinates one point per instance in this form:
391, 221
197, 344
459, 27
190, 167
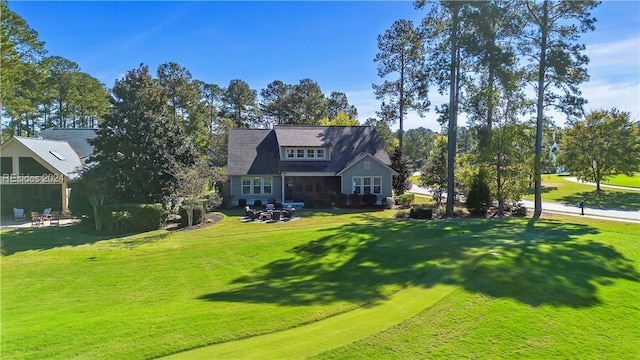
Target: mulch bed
209, 219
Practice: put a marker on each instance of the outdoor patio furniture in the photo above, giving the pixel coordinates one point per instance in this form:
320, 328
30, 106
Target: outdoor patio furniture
275, 215
251, 214
36, 219
288, 214
46, 214
18, 214
264, 216
54, 219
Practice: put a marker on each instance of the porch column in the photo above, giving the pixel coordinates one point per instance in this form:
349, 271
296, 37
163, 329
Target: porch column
282, 193
65, 196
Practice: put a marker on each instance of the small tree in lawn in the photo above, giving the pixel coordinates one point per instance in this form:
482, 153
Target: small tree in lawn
93, 185
605, 143
193, 184
434, 171
402, 165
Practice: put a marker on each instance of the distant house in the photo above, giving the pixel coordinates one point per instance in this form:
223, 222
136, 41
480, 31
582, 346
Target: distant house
554, 151
291, 164
37, 172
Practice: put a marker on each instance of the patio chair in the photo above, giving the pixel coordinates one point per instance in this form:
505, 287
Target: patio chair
54, 219
46, 214
252, 214
36, 219
288, 214
18, 214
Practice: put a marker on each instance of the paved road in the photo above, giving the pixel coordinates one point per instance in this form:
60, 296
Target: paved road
620, 215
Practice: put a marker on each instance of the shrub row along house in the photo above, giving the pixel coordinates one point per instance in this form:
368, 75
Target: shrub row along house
289, 164
294, 164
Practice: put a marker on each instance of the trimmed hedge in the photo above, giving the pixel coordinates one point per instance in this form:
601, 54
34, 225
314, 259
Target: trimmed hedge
242, 203
184, 217
406, 200
341, 200
421, 213
369, 199
257, 204
124, 218
355, 200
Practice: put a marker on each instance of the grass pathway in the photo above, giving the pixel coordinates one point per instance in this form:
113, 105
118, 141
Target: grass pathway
311, 339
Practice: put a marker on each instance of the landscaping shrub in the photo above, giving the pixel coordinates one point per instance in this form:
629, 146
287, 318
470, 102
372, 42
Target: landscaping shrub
317, 203
389, 202
278, 206
406, 200
341, 200
479, 196
271, 201
355, 200
124, 218
184, 218
369, 199
242, 203
257, 204
421, 213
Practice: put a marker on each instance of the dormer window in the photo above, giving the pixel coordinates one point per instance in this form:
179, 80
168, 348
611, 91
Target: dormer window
305, 153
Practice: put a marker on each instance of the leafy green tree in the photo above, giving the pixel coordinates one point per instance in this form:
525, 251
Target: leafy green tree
490, 54
341, 119
241, 104
385, 134
185, 103
557, 65
417, 144
444, 26
138, 144
337, 103
193, 185
434, 174
401, 53
479, 195
275, 102
21, 53
307, 102
603, 144
403, 166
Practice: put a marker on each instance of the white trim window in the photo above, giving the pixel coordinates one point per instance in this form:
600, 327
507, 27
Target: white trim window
257, 185
306, 153
367, 185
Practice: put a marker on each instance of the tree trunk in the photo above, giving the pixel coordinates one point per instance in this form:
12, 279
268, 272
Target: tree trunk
452, 130
540, 114
401, 102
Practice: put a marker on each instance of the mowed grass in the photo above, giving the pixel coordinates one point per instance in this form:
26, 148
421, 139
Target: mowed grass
624, 180
556, 188
69, 295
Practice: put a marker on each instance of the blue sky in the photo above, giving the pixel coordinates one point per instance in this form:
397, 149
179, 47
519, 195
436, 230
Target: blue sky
333, 43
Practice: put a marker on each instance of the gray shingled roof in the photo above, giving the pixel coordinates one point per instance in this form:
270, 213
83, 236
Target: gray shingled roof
77, 138
58, 154
252, 151
257, 151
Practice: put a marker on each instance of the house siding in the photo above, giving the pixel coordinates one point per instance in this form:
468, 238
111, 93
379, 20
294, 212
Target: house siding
236, 190
375, 169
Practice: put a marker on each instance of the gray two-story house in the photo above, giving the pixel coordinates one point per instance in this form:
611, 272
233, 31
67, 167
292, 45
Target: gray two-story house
291, 164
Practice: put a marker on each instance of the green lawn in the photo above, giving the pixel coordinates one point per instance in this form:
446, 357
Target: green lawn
624, 180
556, 188
555, 289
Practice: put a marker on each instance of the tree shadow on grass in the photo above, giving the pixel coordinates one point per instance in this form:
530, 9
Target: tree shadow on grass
544, 263
46, 238
606, 199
